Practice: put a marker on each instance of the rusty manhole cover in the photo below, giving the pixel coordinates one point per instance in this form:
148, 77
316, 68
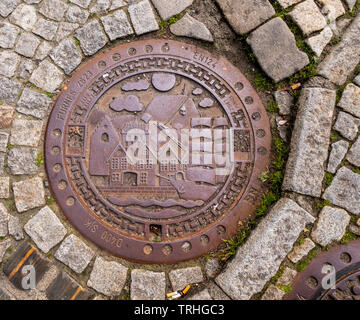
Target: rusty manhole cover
154, 149
333, 275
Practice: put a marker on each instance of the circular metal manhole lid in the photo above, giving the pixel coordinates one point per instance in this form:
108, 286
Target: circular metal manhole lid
333, 275
154, 149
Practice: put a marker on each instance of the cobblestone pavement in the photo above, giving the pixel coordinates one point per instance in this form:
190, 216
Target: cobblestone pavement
282, 42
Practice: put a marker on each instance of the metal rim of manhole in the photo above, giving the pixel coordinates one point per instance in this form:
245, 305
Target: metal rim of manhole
333, 275
154, 148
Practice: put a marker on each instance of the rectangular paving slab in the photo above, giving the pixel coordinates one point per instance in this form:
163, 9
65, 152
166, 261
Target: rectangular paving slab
258, 260
305, 169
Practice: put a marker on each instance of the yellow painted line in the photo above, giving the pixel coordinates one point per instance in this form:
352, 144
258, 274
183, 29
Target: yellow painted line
78, 290
21, 263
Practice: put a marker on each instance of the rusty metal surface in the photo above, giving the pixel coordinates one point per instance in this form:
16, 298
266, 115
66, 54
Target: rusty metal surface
155, 212
346, 261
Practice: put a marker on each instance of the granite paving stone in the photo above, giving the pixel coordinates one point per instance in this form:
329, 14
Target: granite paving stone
43, 50
180, 278
24, 16
273, 293
53, 9
344, 58
22, 160
33, 103
4, 246
100, 6
189, 27
168, 9
203, 295
285, 102
9, 90
66, 56
74, 253
337, 154
4, 219
8, 6
347, 125
4, 138
147, 285
77, 15
350, 100
318, 42
301, 251
8, 63
117, 25
353, 155
29, 194
269, 243
91, 38
245, 16
344, 190
305, 168
26, 132
26, 67
45, 229
6, 116
82, 3
274, 46
4, 188
8, 35
27, 44
308, 17
142, 17
65, 30
47, 77
287, 277
15, 228
331, 226
108, 277
45, 28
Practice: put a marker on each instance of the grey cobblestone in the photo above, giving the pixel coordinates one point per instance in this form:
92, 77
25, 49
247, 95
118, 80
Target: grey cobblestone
4, 220
15, 228
347, 125
26, 132
147, 285
108, 277
245, 16
310, 143
168, 9
33, 103
43, 50
24, 16
331, 226
354, 154
53, 9
338, 152
343, 191
116, 25
46, 29
91, 38
22, 161
26, 68
65, 30
7, 6
350, 100
76, 15
27, 44
269, 243
142, 17
180, 278
301, 251
29, 194
47, 77
4, 189
66, 56
275, 48
8, 35
74, 253
8, 63
45, 229
9, 90
4, 138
